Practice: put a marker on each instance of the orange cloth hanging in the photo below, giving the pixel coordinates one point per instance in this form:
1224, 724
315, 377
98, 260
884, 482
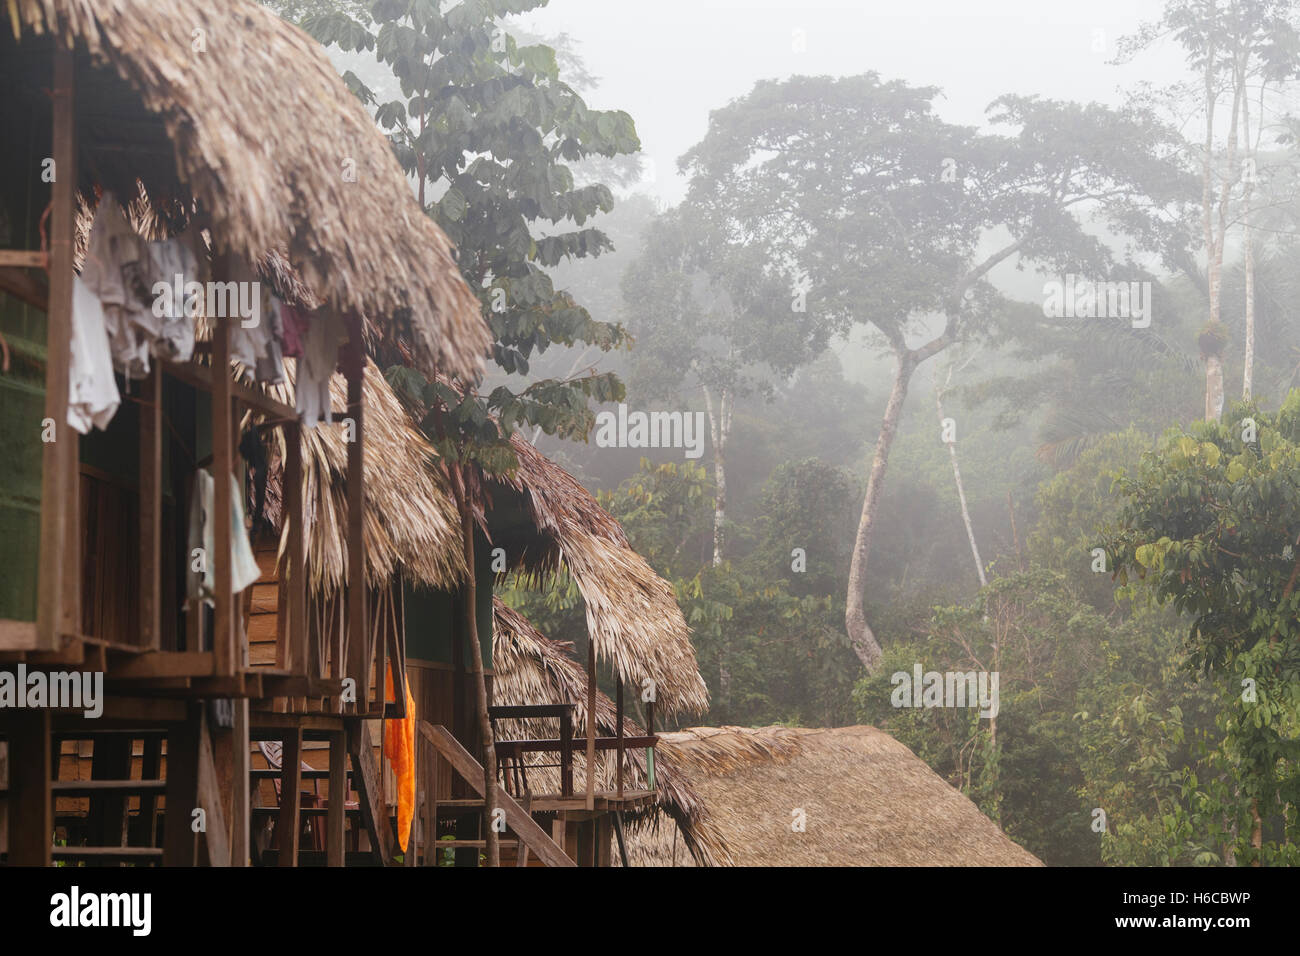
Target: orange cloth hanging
399, 748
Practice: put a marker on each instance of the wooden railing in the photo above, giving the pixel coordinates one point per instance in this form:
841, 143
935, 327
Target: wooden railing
510, 753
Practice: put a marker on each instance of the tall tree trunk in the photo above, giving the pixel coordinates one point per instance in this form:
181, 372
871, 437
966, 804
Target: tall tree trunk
1248, 365
719, 432
861, 638
961, 488
1213, 387
476, 665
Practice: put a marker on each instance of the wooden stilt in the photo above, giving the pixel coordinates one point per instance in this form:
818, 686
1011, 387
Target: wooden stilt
335, 816
290, 797
31, 803
179, 840
58, 587
106, 818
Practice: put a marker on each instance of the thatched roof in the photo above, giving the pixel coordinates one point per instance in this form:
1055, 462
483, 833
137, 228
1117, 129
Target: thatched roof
867, 800
260, 130
532, 669
632, 613
410, 520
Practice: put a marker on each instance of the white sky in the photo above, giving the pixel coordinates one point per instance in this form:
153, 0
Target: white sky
669, 62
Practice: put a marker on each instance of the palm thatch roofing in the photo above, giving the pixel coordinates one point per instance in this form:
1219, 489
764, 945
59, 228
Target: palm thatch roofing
867, 801
632, 613
410, 520
532, 669
228, 106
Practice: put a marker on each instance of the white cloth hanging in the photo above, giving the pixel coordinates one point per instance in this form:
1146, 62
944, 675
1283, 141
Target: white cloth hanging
244, 570
320, 357
171, 334
255, 346
93, 397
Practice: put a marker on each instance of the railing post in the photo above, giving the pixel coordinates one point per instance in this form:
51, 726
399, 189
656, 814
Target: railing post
618, 724
566, 753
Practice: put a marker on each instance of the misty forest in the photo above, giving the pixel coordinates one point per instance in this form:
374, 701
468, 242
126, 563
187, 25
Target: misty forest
883, 393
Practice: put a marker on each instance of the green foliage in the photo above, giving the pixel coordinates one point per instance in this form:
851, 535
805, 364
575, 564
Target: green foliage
490, 127
1212, 526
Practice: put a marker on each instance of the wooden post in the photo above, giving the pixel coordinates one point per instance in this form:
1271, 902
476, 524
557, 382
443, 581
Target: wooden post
106, 816
354, 369
295, 641
58, 596
179, 840
223, 443
591, 723
286, 829
618, 732
150, 769
336, 816
31, 803
650, 751
240, 832
151, 446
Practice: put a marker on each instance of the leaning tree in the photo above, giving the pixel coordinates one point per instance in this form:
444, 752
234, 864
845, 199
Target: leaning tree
896, 218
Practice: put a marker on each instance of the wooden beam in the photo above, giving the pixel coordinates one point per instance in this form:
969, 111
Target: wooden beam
28, 258
151, 445
354, 368
286, 830
211, 796
59, 457
31, 802
223, 445
200, 376
338, 792
25, 287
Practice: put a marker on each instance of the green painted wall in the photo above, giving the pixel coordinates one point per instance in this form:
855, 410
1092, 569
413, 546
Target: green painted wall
431, 614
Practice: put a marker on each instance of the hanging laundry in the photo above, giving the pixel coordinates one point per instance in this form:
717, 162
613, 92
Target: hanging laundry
292, 325
320, 357
168, 324
252, 338
92, 391
113, 272
399, 748
244, 571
